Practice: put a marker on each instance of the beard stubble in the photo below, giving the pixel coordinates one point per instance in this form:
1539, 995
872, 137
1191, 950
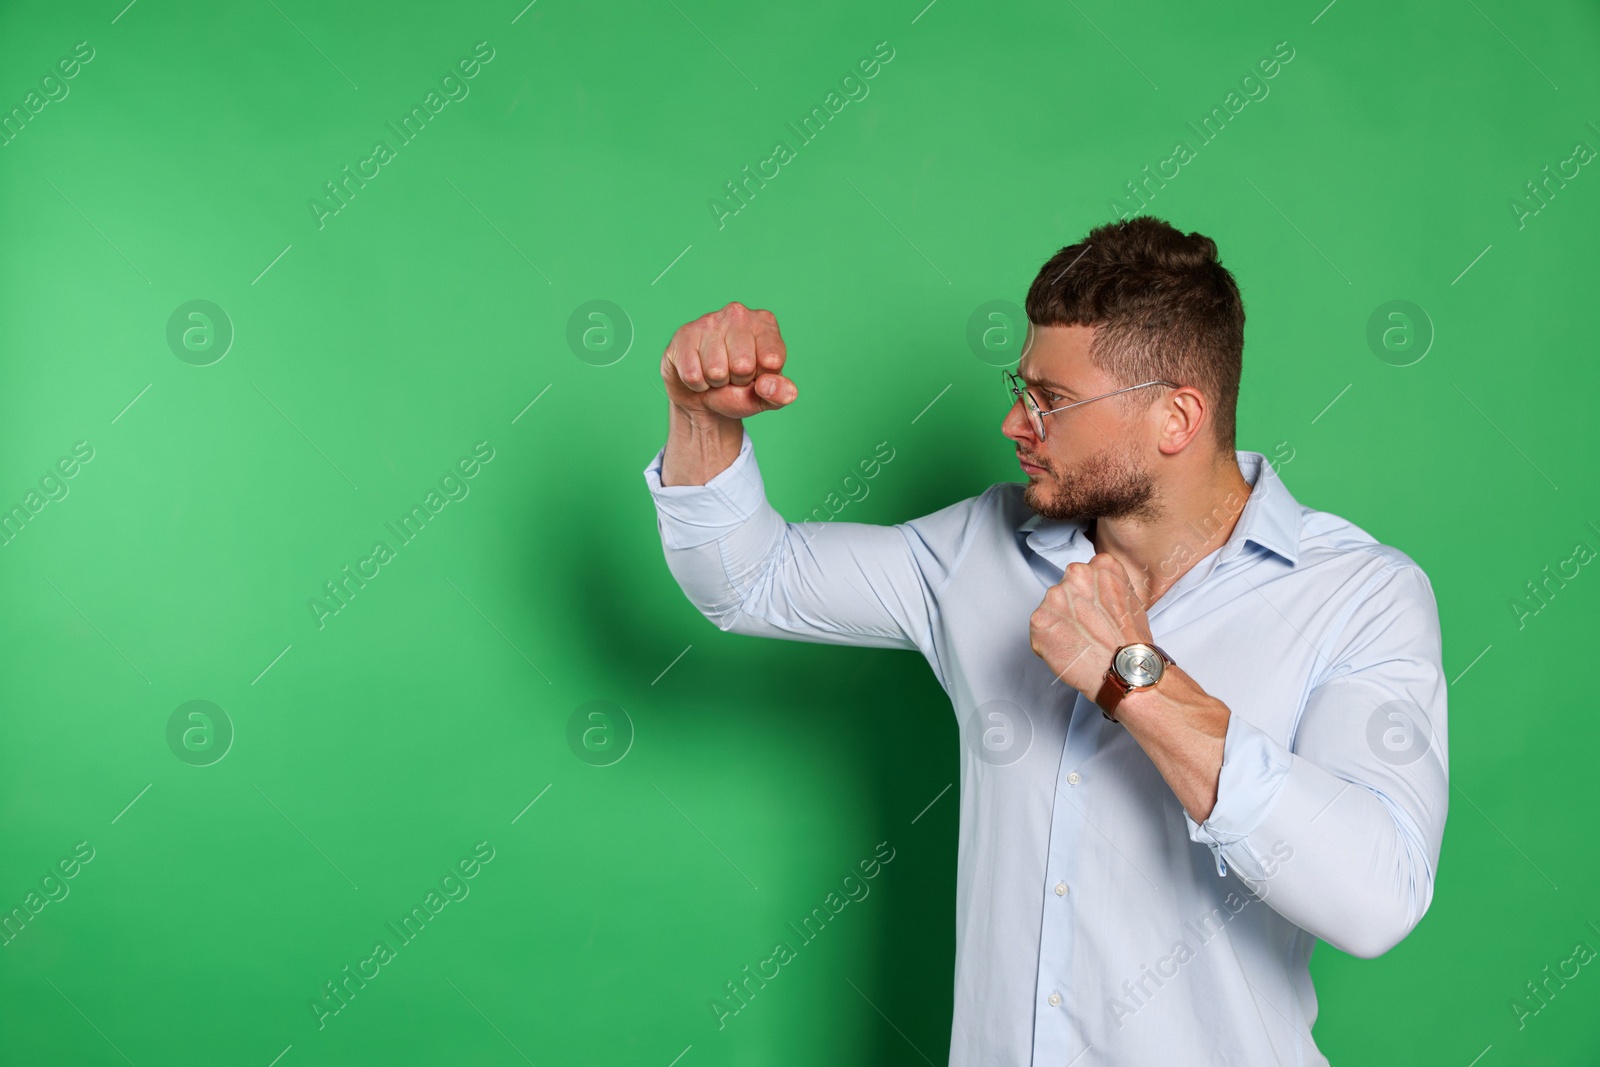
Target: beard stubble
1111, 484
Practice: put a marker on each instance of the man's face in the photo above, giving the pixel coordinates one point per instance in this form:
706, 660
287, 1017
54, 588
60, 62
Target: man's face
1091, 463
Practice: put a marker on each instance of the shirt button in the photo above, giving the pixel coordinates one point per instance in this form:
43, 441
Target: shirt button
1072, 779
1055, 1000
1061, 889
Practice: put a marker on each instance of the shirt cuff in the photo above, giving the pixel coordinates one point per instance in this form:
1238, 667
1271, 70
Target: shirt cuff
1255, 769
690, 515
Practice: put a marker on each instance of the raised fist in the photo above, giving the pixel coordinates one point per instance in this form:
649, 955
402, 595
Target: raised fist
727, 363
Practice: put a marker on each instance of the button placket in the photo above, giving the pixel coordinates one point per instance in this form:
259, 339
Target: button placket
1053, 1031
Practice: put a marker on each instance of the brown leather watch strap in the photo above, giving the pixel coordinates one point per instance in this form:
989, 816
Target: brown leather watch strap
1111, 693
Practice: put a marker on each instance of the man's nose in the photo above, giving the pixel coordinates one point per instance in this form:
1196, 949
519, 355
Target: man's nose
1016, 425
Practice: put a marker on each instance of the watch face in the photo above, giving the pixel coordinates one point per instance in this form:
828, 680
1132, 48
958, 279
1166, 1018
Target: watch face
1139, 666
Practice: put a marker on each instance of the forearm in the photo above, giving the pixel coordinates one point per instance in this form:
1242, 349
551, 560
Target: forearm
699, 447
1181, 728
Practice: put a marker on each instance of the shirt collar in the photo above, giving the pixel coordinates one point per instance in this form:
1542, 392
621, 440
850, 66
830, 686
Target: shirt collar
1270, 520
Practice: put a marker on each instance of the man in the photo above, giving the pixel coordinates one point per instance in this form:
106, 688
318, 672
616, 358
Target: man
1201, 725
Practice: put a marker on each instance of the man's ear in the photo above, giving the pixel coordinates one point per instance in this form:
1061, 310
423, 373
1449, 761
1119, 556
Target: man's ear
1183, 415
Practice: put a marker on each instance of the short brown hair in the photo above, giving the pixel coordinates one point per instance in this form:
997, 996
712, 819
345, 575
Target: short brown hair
1163, 306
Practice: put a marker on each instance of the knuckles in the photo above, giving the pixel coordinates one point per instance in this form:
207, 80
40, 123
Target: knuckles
707, 334
1046, 618
734, 313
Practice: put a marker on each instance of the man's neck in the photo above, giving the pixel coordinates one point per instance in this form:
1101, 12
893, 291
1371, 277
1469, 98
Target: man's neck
1198, 514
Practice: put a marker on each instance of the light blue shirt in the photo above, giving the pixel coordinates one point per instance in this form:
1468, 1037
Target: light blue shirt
1096, 922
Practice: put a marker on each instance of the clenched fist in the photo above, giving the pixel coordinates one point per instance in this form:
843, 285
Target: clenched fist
727, 363
1084, 618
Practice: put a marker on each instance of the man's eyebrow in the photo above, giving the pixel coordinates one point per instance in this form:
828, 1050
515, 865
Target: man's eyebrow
1048, 383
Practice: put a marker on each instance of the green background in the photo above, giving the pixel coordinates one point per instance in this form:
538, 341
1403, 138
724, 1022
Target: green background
370, 354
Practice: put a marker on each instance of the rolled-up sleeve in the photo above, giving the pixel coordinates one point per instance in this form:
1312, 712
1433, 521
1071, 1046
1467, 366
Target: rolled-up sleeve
751, 572
1341, 832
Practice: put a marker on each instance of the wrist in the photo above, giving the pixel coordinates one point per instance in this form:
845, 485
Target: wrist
1178, 703
700, 445
1139, 705
698, 421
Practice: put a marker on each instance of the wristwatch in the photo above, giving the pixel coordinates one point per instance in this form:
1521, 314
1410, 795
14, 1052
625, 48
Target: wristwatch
1133, 667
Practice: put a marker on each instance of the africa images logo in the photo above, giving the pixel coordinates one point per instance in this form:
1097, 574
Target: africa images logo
343, 188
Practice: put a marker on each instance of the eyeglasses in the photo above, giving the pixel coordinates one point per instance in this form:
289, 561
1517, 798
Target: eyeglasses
1018, 390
